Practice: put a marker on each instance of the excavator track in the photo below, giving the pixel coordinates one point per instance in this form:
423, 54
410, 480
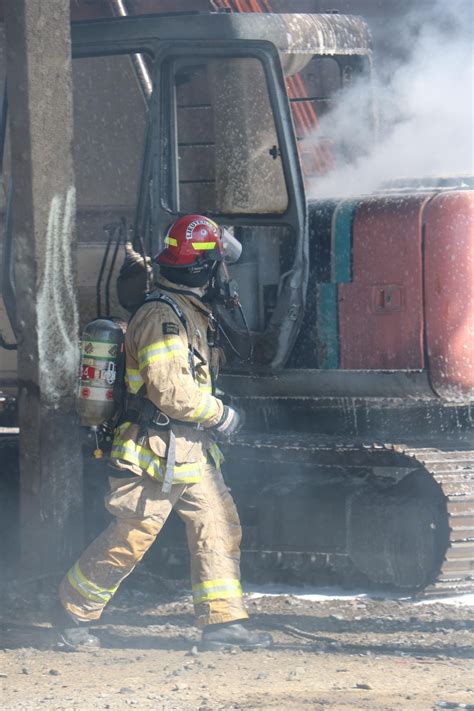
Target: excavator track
450, 470
453, 470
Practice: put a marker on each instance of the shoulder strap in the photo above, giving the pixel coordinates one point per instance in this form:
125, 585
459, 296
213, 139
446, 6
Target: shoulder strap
163, 298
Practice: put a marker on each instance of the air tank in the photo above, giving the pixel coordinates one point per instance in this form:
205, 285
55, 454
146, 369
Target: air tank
102, 346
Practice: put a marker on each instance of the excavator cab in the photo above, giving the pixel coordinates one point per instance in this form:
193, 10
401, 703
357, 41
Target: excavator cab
211, 113
228, 133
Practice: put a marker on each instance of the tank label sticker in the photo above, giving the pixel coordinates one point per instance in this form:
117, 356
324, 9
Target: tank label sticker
91, 374
110, 373
87, 372
100, 349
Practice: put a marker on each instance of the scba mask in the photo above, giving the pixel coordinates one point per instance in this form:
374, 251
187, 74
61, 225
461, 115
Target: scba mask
223, 292
223, 289
231, 247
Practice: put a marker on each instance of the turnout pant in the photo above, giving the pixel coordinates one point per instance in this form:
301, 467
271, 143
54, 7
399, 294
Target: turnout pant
140, 509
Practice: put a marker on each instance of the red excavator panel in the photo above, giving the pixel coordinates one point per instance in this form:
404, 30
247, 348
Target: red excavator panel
381, 311
449, 293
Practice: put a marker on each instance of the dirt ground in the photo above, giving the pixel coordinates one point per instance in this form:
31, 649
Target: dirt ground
362, 653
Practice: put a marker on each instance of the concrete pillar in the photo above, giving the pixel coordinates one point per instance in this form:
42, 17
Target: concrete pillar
40, 101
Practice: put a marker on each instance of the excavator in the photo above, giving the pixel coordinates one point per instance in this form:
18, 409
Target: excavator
356, 370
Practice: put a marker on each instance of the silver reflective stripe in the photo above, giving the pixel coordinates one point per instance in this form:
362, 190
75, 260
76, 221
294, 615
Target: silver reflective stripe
87, 588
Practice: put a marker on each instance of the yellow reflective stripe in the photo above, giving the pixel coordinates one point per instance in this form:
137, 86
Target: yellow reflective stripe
160, 350
133, 380
203, 411
87, 588
207, 597
133, 374
216, 455
92, 586
211, 584
84, 593
171, 241
216, 589
152, 464
167, 355
119, 430
203, 245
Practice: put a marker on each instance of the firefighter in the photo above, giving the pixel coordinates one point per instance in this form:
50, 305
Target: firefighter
165, 453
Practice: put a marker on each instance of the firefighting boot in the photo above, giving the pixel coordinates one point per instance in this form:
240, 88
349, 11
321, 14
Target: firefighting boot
72, 638
71, 634
232, 634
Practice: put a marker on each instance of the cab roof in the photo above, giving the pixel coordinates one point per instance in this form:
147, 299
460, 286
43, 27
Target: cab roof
325, 34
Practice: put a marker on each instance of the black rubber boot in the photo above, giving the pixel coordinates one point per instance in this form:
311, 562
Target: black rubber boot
71, 634
233, 634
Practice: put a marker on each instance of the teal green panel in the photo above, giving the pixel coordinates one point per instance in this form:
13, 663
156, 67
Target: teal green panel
341, 239
328, 332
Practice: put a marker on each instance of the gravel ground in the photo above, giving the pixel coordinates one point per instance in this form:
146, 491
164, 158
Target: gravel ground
360, 653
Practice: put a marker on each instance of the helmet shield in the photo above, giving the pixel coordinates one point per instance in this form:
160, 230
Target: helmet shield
231, 247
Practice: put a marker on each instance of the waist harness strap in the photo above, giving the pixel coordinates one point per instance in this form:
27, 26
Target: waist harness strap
170, 463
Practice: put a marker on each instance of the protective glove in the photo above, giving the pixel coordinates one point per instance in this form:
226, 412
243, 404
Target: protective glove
230, 423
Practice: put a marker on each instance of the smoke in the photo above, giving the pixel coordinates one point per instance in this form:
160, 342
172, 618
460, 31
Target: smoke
424, 100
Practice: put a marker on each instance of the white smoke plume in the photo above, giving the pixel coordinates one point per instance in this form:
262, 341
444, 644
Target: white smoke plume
424, 102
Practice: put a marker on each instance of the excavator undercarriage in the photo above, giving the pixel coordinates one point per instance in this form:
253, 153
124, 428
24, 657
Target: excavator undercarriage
352, 509
326, 510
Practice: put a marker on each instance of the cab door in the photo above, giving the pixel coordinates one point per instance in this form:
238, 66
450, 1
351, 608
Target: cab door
223, 144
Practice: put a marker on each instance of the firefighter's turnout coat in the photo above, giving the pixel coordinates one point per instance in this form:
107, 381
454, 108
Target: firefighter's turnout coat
173, 367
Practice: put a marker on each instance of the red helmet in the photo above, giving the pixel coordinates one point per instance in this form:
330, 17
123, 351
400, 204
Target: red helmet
190, 241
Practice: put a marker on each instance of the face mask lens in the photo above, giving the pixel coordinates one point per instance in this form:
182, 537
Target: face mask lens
231, 246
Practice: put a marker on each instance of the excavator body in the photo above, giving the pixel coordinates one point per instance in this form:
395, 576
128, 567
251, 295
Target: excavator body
356, 462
